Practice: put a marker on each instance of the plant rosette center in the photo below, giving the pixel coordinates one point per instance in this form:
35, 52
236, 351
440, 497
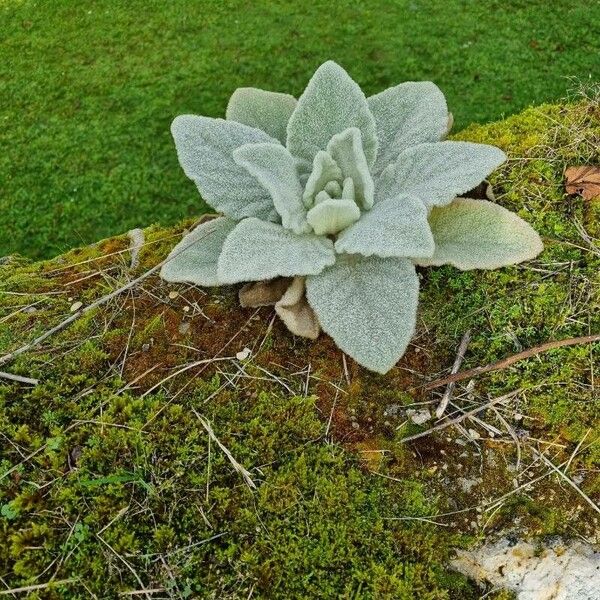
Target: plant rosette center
329, 202
339, 185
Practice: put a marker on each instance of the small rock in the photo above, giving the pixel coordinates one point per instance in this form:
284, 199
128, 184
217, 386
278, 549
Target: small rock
186, 309
418, 417
466, 485
474, 434
173, 295
243, 354
561, 570
76, 306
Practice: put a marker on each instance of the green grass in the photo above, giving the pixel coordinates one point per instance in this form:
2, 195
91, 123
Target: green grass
88, 89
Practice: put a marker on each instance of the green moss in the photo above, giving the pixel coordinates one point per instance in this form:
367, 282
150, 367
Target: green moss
106, 469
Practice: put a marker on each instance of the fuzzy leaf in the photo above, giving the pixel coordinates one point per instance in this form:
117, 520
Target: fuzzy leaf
324, 170
275, 169
477, 234
194, 259
331, 103
269, 111
368, 306
393, 227
347, 151
257, 250
407, 114
330, 216
205, 149
437, 173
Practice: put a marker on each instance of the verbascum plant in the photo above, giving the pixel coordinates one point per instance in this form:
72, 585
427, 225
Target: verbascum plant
329, 202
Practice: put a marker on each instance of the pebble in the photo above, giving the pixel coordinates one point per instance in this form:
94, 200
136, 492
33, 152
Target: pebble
418, 417
243, 354
76, 306
474, 434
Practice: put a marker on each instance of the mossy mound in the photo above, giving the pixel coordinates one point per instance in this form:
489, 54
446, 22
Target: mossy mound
110, 483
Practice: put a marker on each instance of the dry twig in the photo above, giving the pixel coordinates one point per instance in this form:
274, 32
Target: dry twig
82, 311
236, 465
37, 586
509, 360
461, 418
569, 481
460, 355
19, 378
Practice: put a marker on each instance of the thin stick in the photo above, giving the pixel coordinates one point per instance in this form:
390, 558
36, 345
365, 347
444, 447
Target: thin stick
346, 372
131, 569
460, 355
506, 362
82, 311
142, 592
38, 586
19, 378
461, 418
236, 465
191, 365
569, 481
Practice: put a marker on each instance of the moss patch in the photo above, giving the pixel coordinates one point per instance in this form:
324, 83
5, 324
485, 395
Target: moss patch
109, 480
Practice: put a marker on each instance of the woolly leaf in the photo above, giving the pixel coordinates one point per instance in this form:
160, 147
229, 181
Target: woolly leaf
275, 169
205, 149
257, 250
269, 111
437, 173
194, 259
368, 306
393, 227
347, 151
331, 102
477, 234
330, 216
407, 114
324, 171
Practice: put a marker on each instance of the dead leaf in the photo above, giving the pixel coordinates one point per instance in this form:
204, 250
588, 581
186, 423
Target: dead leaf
295, 311
583, 180
263, 293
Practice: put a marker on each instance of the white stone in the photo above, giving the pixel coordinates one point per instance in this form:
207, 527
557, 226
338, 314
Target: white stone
561, 571
243, 354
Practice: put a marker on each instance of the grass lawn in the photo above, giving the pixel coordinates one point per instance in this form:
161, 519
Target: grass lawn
88, 89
